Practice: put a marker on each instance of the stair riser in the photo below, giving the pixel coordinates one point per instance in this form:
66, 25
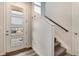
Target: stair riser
57, 46
62, 54
59, 51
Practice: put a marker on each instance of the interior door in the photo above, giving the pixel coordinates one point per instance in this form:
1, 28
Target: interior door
42, 36
15, 27
75, 28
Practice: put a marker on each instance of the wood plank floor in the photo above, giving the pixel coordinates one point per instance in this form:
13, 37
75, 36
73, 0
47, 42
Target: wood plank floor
23, 52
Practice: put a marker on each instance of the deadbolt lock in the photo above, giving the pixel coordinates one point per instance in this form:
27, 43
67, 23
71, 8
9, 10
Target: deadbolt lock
7, 34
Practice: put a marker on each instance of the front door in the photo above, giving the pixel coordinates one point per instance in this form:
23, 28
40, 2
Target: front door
15, 27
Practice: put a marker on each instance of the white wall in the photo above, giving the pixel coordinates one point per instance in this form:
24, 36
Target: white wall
75, 28
2, 47
30, 24
61, 12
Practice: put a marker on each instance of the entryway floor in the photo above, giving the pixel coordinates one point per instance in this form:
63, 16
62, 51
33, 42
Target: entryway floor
23, 52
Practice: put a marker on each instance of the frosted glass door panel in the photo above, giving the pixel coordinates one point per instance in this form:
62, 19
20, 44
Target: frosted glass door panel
16, 20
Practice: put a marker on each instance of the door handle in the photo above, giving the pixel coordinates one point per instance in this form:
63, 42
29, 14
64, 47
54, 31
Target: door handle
75, 33
7, 31
21, 40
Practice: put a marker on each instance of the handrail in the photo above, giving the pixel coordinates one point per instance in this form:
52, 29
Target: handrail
57, 24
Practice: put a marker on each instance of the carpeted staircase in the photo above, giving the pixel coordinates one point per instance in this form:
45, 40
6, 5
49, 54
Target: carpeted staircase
58, 50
